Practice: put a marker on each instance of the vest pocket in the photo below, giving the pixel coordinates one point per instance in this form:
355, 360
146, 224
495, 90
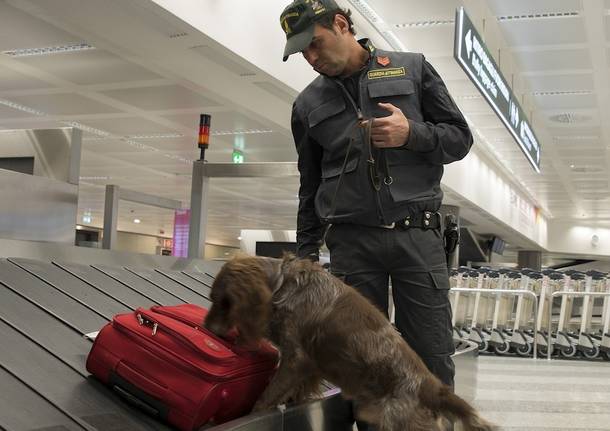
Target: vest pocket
348, 194
325, 111
400, 87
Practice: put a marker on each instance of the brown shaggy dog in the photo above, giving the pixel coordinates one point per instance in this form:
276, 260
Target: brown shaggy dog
325, 329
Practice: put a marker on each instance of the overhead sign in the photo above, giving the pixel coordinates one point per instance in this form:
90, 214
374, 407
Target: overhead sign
472, 54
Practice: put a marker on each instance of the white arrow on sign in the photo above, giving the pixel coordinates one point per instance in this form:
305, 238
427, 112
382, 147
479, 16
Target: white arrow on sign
469, 42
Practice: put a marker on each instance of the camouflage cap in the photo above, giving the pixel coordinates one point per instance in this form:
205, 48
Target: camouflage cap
298, 21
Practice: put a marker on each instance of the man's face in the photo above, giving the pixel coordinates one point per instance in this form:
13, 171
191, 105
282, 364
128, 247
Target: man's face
327, 53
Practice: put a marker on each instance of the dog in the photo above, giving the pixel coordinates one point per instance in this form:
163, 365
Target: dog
326, 330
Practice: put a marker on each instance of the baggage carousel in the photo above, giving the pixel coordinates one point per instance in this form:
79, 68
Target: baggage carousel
52, 296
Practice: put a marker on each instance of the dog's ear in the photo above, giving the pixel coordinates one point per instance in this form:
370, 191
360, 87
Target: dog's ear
247, 292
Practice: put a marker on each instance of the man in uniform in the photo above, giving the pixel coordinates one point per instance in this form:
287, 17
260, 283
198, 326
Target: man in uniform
372, 133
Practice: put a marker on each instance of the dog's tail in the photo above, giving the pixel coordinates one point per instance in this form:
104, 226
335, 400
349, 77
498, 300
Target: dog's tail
439, 398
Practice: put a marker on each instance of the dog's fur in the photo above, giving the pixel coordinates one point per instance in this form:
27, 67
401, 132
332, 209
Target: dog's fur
325, 329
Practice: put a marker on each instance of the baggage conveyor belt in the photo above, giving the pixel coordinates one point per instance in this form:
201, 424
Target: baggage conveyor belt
46, 308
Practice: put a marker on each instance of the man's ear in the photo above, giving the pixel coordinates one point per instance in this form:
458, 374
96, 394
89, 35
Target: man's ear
341, 23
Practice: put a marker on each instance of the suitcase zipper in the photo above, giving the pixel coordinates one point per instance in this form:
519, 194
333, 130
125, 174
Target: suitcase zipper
147, 320
167, 354
180, 361
163, 311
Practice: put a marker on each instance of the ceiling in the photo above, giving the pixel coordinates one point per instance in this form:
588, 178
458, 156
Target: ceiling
138, 104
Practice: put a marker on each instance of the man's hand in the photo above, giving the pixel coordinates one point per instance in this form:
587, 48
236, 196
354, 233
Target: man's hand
392, 131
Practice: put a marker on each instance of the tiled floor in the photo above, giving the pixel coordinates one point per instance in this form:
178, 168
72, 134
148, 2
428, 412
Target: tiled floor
523, 394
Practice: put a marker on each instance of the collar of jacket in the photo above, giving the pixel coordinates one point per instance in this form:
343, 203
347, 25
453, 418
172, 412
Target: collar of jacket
368, 45
370, 48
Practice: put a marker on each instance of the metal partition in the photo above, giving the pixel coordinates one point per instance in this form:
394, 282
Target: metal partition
200, 189
111, 209
40, 205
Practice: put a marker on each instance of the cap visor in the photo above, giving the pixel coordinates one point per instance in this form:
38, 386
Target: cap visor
298, 42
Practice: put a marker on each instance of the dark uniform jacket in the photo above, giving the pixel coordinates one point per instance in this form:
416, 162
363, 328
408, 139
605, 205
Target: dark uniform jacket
324, 120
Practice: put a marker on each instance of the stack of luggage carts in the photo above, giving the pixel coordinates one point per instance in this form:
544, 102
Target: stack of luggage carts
505, 323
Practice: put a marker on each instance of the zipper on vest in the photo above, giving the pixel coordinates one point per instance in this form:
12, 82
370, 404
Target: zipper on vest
380, 213
351, 99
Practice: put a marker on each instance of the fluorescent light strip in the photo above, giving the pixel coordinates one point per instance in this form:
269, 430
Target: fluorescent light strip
102, 134
469, 97
369, 13
157, 136
425, 23
577, 138
22, 108
538, 16
393, 40
562, 93
366, 10
95, 178
93, 130
240, 132
49, 50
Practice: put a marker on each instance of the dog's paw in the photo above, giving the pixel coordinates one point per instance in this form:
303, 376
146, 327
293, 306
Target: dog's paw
261, 407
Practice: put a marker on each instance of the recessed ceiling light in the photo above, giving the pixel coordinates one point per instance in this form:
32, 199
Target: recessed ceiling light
239, 238
137, 221
572, 166
48, 50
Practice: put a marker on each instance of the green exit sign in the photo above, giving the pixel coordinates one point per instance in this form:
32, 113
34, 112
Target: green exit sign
238, 156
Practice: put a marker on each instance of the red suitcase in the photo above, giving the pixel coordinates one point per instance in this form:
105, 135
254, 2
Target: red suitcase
163, 361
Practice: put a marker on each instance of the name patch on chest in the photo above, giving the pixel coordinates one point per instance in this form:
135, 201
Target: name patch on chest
386, 73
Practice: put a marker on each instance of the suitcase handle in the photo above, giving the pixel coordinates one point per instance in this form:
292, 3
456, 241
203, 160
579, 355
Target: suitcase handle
137, 397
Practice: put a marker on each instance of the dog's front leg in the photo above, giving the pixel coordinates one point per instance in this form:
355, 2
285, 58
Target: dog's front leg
291, 378
280, 387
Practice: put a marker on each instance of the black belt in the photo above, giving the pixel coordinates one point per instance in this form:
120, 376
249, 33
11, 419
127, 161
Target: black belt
424, 220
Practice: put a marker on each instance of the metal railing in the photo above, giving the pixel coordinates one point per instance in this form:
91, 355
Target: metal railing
510, 292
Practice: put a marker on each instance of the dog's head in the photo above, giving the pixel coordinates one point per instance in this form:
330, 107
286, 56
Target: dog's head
241, 299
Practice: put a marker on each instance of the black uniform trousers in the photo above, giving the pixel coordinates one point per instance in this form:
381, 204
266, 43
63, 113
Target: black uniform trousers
366, 258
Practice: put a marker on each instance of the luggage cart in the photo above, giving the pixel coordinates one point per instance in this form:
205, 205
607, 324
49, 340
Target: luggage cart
587, 343
459, 301
503, 308
552, 281
522, 338
566, 338
480, 329
605, 341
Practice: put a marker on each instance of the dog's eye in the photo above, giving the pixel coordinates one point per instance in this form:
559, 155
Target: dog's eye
225, 303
